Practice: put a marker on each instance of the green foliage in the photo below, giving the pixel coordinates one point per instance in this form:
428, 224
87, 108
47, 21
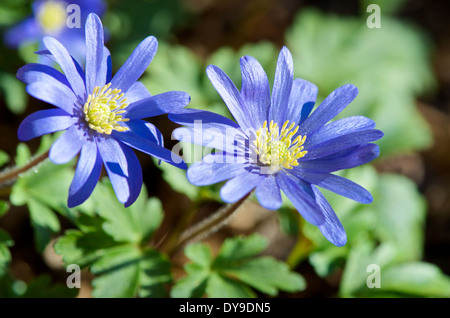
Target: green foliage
12, 11
13, 92
234, 271
386, 6
113, 242
44, 190
387, 232
4, 158
5, 255
127, 25
39, 287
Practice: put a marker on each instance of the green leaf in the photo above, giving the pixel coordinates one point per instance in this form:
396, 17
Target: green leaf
4, 158
43, 189
176, 178
386, 7
42, 287
125, 270
155, 274
363, 254
193, 285
82, 249
5, 254
401, 212
235, 269
258, 273
118, 273
288, 220
4, 207
415, 279
114, 243
134, 224
14, 93
200, 254
237, 250
219, 286
23, 154
44, 222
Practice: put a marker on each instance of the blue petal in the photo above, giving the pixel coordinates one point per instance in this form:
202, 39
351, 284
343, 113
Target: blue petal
345, 159
217, 136
208, 129
123, 169
39, 73
107, 60
135, 65
67, 146
329, 108
255, 90
86, 175
63, 58
339, 128
74, 42
145, 130
44, 122
337, 184
55, 93
340, 143
268, 193
230, 95
96, 67
157, 105
301, 102
282, 85
135, 180
332, 228
25, 31
189, 117
236, 188
131, 139
137, 92
302, 197
202, 174
47, 54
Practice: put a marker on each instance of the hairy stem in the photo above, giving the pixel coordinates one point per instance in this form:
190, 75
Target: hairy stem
210, 225
9, 176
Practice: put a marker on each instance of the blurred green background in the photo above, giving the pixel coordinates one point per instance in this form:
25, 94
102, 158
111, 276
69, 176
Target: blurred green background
402, 71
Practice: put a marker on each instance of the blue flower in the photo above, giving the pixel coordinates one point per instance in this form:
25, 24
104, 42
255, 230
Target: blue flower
101, 115
278, 143
49, 18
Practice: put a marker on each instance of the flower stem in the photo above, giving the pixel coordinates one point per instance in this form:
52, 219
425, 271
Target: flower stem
9, 176
210, 225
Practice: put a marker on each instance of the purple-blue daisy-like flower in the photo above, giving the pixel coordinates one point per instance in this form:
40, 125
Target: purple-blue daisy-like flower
61, 19
279, 144
101, 115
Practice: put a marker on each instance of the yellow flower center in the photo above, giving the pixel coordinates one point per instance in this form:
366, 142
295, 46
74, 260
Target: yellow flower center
103, 110
276, 148
52, 16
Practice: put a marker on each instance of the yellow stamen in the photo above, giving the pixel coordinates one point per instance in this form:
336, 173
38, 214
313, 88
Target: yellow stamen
103, 108
276, 148
52, 16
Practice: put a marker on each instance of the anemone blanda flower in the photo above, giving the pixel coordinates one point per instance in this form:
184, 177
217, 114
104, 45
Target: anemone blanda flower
101, 115
49, 18
278, 143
